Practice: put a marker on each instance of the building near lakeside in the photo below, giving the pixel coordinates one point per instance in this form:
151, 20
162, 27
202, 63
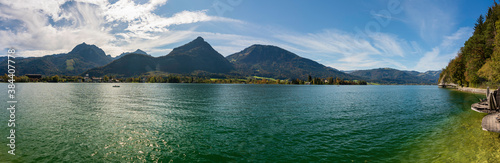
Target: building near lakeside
96, 79
34, 76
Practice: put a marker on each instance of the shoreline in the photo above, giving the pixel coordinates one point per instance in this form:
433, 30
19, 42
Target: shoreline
229, 83
472, 90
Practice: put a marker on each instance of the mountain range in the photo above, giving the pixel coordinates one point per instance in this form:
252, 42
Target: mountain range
199, 57
82, 58
196, 55
393, 76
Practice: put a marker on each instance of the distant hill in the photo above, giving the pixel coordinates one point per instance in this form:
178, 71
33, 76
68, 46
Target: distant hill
393, 76
348, 71
196, 55
274, 62
78, 60
432, 76
3, 58
138, 51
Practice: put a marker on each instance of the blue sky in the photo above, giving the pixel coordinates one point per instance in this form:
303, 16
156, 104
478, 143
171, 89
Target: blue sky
348, 35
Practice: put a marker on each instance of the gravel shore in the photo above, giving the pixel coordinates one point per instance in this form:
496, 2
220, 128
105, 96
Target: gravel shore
473, 90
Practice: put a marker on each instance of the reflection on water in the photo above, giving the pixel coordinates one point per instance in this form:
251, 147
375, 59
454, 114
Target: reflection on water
200, 122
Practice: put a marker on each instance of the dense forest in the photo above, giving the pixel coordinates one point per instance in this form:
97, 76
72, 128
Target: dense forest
478, 61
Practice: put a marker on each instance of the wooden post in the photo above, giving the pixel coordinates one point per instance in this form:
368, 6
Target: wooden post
497, 99
487, 92
491, 101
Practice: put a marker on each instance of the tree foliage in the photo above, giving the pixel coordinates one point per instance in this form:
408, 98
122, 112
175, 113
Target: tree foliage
478, 61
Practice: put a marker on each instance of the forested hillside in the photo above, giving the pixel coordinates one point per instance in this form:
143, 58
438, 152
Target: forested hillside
275, 62
478, 61
393, 76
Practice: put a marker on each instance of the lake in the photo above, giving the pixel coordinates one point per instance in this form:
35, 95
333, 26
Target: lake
77, 122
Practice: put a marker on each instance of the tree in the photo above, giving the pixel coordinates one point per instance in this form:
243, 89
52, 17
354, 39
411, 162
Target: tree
330, 80
488, 72
491, 69
152, 79
105, 78
160, 79
456, 69
5, 77
55, 78
479, 23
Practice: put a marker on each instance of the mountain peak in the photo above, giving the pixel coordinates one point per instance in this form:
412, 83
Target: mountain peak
199, 38
258, 53
260, 45
268, 47
199, 43
139, 51
201, 55
90, 53
83, 46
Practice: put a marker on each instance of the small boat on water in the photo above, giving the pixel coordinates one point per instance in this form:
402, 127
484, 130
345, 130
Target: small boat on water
116, 86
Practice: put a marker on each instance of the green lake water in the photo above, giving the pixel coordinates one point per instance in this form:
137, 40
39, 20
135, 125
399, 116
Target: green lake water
244, 123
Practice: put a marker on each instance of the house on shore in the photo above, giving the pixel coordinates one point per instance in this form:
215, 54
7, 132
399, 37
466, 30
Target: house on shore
34, 76
96, 79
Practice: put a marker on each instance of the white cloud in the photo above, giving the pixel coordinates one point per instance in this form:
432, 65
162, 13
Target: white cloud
390, 45
128, 10
431, 19
433, 60
345, 51
36, 34
51, 8
440, 55
154, 23
38, 52
331, 41
115, 27
452, 40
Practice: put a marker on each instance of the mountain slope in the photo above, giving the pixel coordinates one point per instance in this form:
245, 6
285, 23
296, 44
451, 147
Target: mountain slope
275, 62
393, 76
128, 65
78, 60
193, 56
196, 55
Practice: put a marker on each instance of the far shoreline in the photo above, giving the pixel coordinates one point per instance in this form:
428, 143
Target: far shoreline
223, 83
